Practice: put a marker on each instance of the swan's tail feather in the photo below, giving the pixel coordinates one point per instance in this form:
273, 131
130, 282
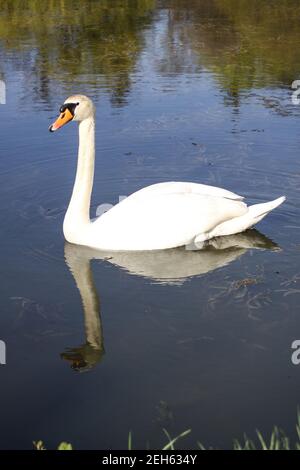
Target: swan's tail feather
258, 211
237, 225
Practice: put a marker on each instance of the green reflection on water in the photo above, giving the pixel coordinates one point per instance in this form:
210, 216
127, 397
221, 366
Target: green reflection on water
97, 40
245, 44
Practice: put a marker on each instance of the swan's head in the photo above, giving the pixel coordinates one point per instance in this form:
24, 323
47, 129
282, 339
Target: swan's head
75, 108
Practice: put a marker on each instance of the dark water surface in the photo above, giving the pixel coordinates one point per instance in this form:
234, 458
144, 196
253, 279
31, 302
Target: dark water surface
197, 91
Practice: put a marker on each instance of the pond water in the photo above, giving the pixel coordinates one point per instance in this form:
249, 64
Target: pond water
193, 91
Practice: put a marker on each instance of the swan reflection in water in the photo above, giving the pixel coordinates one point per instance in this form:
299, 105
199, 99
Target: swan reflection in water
170, 267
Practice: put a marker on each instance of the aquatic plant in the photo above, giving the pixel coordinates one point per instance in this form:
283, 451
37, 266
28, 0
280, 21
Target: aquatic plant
278, 440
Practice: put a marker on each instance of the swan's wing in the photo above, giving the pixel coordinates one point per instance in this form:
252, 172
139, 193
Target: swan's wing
161, 221
171, 187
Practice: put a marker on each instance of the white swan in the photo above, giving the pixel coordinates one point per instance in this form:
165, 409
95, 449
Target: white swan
160, 216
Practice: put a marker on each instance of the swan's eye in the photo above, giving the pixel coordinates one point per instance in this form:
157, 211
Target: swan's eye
77, 104
68, 107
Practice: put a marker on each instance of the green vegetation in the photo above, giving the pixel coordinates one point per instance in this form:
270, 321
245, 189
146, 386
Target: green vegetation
39, 445
277, 441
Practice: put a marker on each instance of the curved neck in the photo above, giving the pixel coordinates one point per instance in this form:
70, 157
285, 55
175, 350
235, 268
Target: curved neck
78, 213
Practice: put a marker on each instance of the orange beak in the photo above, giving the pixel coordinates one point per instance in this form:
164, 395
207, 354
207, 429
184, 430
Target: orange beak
63, 118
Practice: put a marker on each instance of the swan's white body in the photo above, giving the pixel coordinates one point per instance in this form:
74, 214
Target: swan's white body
160, 216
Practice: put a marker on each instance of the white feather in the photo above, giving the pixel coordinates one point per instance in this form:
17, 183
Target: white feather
160, 216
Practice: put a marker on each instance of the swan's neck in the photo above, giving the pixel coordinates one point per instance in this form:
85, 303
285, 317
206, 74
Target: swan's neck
78, 214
